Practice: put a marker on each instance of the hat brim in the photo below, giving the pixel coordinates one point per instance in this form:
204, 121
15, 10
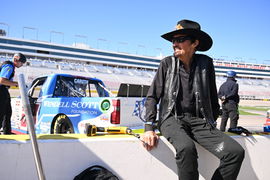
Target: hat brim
205, 40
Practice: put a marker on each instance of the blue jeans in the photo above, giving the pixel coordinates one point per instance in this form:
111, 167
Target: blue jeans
181, 132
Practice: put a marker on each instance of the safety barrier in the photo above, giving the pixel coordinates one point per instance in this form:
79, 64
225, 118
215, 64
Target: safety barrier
65, 156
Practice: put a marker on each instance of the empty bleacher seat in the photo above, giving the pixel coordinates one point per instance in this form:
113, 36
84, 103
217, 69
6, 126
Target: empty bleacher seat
50, 64
36, 63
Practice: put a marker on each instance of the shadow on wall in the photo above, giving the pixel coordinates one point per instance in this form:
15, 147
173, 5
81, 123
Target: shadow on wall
167, 155
70, 157
254, 158
63, 159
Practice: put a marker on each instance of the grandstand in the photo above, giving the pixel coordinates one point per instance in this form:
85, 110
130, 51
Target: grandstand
115, 68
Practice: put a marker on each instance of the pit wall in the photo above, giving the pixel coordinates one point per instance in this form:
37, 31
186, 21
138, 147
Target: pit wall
64, 157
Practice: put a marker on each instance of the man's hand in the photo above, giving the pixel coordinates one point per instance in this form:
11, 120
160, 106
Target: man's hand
150, 139
223, 99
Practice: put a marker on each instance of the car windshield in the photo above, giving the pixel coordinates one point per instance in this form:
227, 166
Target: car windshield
77, 87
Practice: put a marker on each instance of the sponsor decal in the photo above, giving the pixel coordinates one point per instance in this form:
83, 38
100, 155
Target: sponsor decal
79, 111
80, 81
96, 112
56, 104
139, 109
44, 127
97, 121
104, 117
106, 106
79, 104
70, 104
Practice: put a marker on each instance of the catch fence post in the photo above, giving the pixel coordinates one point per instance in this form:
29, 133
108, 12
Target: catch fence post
30, 126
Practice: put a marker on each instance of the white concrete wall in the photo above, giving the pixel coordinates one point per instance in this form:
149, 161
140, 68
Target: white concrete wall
63, 159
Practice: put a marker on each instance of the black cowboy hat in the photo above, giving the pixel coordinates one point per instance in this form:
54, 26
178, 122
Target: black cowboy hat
193, 29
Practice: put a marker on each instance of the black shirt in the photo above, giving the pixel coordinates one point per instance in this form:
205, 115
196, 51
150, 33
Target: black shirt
161, 87
186, 98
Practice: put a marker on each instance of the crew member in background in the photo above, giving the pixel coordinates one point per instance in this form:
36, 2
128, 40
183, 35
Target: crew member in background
185, 89
7, 71
228, 94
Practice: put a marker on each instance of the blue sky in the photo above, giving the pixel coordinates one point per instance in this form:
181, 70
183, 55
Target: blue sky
239, 28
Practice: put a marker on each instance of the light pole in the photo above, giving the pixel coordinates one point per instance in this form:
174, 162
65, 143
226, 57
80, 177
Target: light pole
238, 59
222, 58
31, 28
160, 52
122, 43
55, 32
253, 59
81, 37
102, 40
266, 61
140, 46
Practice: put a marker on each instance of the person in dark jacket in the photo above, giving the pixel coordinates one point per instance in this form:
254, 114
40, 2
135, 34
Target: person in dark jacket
7, 71
228, 94
185, 89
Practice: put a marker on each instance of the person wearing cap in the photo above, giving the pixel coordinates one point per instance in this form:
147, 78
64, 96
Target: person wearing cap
7, 71
228, 94
185, 89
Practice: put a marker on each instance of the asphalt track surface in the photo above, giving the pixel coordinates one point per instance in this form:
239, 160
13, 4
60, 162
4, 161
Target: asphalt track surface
253, 123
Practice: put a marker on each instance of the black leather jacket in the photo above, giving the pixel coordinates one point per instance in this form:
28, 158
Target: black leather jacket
165, 87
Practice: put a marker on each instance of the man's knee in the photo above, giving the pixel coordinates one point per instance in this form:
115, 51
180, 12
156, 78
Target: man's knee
187, 150
240, 153
237, 153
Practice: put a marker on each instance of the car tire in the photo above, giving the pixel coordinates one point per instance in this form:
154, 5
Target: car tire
62, 125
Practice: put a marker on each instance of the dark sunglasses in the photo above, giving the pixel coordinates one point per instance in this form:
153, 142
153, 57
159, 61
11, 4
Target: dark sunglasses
181, 39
